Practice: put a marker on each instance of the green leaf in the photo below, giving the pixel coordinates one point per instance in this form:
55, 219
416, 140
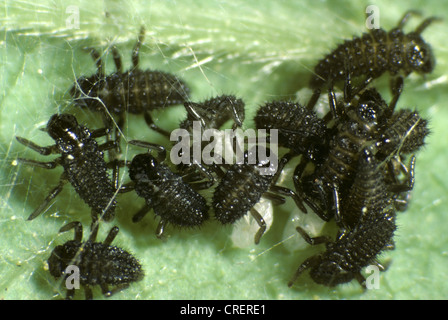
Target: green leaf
257, 50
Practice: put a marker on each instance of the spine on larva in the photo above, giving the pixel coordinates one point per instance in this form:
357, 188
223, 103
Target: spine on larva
372, 54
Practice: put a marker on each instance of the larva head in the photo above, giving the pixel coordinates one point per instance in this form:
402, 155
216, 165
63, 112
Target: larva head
370, 108
330, 274
61, 257
63, 126
85, 91
143, 167
419, 55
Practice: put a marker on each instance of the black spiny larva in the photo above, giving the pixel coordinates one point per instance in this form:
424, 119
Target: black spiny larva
369, 233
98, 263
172, 199
371, 188
135, 91
356, 128
83, 162
375, 53
241, 188
345, 258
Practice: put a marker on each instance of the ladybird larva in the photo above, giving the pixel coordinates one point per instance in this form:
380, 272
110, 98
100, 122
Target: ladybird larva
375, 53
99, 263
134, 91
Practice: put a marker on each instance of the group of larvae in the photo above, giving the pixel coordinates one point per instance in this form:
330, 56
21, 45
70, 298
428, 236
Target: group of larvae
361, 154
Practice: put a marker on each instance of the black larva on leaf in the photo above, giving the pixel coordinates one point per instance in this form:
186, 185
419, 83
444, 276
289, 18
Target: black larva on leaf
375, 53
371, 189
135, 91
345, 258
242, 187
366, 121
83, 162
97, 263
174, 200
357, 126
369, 229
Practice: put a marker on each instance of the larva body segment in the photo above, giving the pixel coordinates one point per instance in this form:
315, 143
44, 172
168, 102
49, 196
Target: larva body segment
134, 91
299, 129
